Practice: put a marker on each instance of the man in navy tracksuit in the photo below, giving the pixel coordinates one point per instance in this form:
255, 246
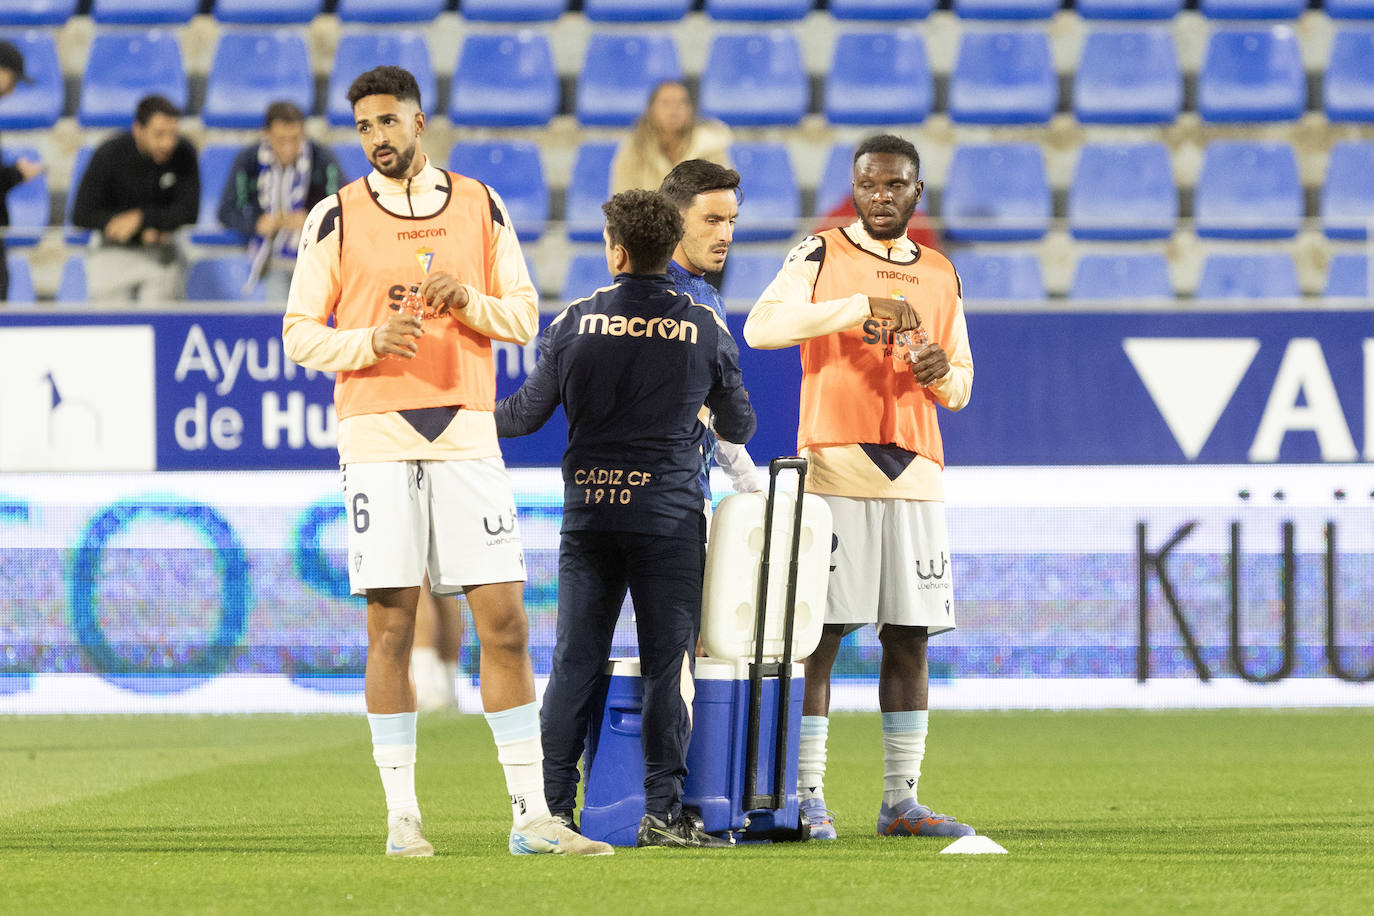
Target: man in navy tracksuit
635, 366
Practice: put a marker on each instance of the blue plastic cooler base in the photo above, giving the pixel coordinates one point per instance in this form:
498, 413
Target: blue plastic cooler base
614, 799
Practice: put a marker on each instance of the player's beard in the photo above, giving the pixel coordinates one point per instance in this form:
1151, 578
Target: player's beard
400, 164
898, 228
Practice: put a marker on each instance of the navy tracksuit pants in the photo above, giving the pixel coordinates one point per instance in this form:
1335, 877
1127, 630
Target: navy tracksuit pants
664, 577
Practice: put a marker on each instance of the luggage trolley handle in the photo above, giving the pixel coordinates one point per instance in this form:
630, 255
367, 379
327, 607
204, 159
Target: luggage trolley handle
783, 669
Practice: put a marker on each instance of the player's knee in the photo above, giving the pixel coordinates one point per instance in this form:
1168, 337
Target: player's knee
394, 640
507, 631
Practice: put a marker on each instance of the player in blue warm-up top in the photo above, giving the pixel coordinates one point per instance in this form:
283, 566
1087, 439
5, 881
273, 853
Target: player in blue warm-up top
636, 367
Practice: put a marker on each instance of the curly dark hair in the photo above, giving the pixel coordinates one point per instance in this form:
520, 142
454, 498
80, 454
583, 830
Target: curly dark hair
889, 143
647, 224
697, 176
387, 80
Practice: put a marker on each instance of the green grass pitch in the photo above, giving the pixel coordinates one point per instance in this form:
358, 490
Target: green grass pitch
1102, 812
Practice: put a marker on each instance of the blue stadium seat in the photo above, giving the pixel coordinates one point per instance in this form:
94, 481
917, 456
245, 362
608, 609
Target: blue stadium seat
1252, 75
1348, 277
772, 198
358, 52
505, 80
1123, 191
1121, 278
512, 10
1128, 9
757, 10
1252, 9
618, 73
267, 12
1005, 9
221, 279
589, 186
748, 273
253, 69
1248, 276
143, 12
996, 193
835, 186
516, 173
1349, 9
1248, 190
1348, 86
39, 103
881, 9
215, 162
754, 80
635, 10
879, 78
1003, 78
389, 10
122, 68
72, 286
1348, 190
586, 274
73, 235
352, 160
1011, 276
21, 290
1128, 77
37, 12
29, 203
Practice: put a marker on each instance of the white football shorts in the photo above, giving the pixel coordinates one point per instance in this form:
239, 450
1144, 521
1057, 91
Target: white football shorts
454, 519
889, 564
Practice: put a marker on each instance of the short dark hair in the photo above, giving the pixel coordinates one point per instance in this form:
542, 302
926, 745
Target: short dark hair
387, 80
283, 112
697, 176
647, 224
151, 105
889, 143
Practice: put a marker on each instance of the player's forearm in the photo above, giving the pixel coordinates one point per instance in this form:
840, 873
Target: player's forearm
315, 345
513, 317
734, 460
956, 388
785, 321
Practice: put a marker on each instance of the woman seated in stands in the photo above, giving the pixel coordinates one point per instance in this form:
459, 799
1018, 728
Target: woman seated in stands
667, 133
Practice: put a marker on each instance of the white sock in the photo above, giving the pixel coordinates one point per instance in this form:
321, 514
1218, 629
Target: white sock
904, 746
811, 759
516, 732
393, 749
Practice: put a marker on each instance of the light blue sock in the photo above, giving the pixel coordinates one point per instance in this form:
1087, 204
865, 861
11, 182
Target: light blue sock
393, 749
516, 732
904, 747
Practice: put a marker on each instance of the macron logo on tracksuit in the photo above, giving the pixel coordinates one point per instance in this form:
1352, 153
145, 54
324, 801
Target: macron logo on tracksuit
621, 326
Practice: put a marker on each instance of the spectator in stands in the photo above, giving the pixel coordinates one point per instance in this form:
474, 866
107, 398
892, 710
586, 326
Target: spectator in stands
11, 75
667, 133
271, 186
139, 188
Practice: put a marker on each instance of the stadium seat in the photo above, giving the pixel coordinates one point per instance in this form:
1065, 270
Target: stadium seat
216, 161
1248, 276
881, 9
221, 279
28, 203
143, 12
748, 273
516, 173
586, 274
1123, 191
1003, 78
1005, 9
835, 186
73, 235
1121, 278
1348, 191
504, 80
1252, 9
1348, 85
1349, 9
389, 10
1128, 77
123, 67
1248, 191
1348, 277
588, 188
753, 80
1252, 75
37, 12
635, 10
72, 286
879, 78
21, 290
757, 10
267, 12
1128, 9
352, 159
512, 10
39, 103
358, 52
253, 69
1010, 276
619, 72
772, 199
996, 192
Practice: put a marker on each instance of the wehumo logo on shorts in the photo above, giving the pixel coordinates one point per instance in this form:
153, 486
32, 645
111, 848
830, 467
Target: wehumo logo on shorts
407, 235
620, 326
